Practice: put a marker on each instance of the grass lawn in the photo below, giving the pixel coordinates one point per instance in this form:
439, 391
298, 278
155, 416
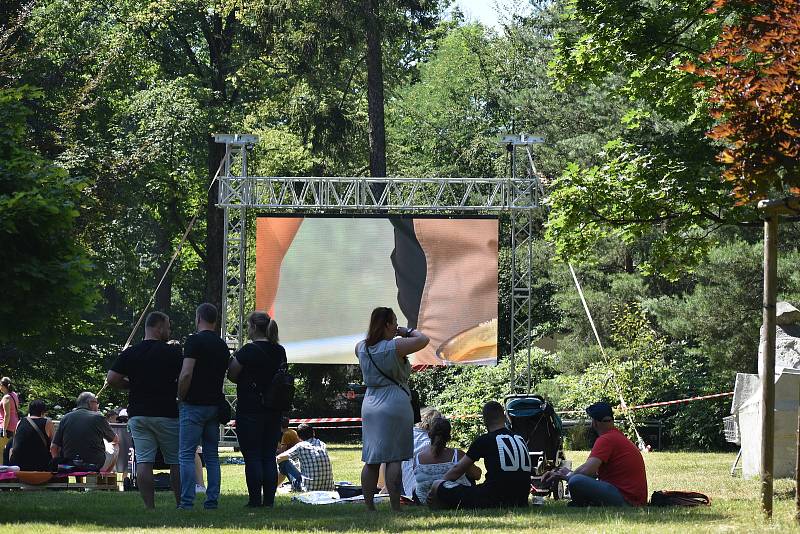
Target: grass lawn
735, 507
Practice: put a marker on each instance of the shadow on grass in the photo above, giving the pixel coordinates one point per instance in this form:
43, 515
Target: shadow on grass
117, 511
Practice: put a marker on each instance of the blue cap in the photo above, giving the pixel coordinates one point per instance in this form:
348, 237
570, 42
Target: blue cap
600, 411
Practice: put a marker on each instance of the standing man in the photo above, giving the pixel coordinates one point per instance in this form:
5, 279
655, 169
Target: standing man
614, 460
508, 469
205, 362
149, 370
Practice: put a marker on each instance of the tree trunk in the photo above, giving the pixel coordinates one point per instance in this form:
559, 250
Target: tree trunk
214, 231
163, 300
377, 130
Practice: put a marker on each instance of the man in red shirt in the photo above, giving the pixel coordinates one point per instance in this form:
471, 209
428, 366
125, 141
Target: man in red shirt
614, 460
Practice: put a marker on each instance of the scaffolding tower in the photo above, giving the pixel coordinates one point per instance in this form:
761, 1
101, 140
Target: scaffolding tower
518, 195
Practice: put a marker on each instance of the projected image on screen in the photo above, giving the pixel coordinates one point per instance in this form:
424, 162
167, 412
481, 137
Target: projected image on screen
321, 277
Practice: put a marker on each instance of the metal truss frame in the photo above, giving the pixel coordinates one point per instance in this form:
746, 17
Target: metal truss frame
517, 196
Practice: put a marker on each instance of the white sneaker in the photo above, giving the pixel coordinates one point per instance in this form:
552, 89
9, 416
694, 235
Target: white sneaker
199, 489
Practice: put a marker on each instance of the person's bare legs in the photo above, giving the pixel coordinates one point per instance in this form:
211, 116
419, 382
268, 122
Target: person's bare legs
175, 482
198, 469
382, 480
369, 484
144, 481
394, 483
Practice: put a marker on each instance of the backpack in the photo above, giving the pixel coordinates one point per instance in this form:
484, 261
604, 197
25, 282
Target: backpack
679, 498
280, 395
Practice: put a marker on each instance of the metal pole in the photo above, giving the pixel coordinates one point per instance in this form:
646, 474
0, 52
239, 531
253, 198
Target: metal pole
226, 171
514, 267
242, 252
767, 367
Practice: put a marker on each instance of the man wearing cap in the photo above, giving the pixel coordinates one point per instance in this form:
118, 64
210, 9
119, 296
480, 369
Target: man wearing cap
614, 460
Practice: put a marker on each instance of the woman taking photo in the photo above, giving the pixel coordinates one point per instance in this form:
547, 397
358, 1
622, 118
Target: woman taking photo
258, 427
386, 415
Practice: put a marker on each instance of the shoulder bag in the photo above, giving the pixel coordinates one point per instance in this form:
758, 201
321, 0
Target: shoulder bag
38, 430
413, 397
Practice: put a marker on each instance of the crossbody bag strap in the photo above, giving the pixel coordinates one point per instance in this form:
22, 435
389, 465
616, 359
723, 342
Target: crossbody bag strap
259, 347
37, 429
395, 382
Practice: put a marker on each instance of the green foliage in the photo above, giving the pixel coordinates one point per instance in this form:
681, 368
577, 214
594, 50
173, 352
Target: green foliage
44, 271
658, 179
721, 316
462, 391
635, 366
636, 194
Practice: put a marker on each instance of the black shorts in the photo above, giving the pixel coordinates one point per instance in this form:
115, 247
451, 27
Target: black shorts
479, 496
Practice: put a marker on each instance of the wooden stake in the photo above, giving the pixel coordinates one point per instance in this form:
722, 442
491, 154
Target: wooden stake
797, 470
767, 367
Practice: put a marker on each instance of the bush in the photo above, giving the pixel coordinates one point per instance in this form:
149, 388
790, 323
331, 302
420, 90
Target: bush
461, 392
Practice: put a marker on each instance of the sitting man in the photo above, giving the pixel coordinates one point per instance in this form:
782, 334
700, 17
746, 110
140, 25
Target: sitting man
614, 460
315, 473
80, 436
508, 469
289, 439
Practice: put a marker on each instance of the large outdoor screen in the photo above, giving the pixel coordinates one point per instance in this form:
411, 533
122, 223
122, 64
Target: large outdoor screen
321, 277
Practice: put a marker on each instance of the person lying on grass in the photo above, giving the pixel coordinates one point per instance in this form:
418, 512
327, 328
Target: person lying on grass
614, 460
508, 469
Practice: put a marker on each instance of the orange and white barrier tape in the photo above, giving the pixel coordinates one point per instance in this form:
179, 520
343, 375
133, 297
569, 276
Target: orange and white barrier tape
327, 420
471, 416
681, 401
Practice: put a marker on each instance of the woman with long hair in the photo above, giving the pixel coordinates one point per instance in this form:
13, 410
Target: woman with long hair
258, 426
437, 458
386, 415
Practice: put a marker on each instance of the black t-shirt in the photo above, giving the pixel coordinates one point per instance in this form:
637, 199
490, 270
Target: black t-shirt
508, 465
211, 362
260, 360
152, 367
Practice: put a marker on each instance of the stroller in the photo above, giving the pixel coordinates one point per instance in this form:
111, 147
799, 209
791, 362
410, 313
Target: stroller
532, 417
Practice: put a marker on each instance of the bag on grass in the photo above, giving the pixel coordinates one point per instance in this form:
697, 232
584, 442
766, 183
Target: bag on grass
679, 498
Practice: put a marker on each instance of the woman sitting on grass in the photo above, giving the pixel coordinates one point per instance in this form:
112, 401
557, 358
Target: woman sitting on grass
437, 458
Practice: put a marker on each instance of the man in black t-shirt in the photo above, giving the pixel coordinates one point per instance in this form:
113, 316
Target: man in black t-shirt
149, 370
205, 361
508, 468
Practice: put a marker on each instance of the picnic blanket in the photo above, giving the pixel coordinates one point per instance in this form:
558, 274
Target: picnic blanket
12, 475
317, 498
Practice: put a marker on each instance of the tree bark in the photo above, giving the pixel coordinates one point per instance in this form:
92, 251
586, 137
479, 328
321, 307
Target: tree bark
377, 129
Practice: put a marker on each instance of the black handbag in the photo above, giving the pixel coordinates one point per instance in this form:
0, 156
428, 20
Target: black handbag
278, 394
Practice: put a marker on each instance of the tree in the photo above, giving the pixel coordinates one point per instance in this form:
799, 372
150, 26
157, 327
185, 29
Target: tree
658, 181
44, 270
375, 100
753, 78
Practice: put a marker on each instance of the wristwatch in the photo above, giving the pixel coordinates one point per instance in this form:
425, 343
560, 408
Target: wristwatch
408, 332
